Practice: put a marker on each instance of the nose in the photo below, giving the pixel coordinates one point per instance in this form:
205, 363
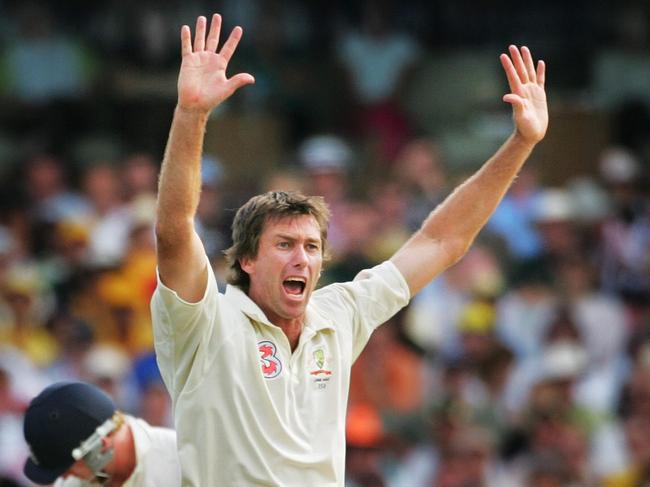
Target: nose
300, 257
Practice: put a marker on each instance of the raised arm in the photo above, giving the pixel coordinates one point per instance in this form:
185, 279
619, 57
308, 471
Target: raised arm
450, 229
202, 85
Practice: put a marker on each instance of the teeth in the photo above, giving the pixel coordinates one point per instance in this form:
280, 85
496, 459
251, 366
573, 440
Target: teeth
296, 279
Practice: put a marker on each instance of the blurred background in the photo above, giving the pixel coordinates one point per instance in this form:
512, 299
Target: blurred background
526, 364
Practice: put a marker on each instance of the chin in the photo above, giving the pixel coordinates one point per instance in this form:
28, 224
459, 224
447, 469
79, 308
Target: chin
296, 310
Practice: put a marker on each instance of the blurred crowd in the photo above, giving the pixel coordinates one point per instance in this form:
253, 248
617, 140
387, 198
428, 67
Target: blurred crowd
526, 364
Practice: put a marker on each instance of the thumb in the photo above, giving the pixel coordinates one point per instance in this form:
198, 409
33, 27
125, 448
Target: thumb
239, 80
516, 101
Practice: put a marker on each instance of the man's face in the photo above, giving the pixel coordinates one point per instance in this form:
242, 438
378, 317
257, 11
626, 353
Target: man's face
82, 471
287, 267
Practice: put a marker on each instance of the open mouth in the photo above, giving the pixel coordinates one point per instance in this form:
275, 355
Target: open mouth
294, 286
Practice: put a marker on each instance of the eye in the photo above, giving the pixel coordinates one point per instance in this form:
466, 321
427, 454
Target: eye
312, 247
283, 244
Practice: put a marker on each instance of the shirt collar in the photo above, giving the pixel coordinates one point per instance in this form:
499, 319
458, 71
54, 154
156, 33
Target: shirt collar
313, 319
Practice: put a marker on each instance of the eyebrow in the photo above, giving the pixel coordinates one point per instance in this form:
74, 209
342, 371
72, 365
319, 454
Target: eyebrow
287, 236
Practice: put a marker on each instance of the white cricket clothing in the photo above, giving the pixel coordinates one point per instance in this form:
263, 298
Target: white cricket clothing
247, 410
156, 458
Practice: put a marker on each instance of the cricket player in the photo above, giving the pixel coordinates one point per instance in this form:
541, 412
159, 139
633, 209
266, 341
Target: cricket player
259, 375
78, 438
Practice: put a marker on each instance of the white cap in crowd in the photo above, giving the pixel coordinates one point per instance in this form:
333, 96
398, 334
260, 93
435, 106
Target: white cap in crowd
323, 153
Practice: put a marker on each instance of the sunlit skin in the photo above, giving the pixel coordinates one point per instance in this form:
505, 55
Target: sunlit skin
119, 468
289, 247
80, 470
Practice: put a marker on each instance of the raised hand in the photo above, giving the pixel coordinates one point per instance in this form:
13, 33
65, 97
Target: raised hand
527, 95
202, 81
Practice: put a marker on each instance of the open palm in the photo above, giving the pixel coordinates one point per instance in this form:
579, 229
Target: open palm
527, 95
202, 81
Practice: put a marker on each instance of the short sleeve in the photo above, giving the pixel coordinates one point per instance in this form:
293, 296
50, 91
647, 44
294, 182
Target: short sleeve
360, 306
181, 329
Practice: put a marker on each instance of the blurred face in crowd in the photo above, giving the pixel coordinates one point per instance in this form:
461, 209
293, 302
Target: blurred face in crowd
140, 174
102, 186
155, 405
636, 429
44, 177
576, 277
390, 201
477, 345
329, 183
525, 184
546, 479
419, 164
639, 391
359, 223
559, 236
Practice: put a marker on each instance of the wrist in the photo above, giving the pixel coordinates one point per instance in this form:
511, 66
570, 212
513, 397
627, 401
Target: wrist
524, 142
193, 112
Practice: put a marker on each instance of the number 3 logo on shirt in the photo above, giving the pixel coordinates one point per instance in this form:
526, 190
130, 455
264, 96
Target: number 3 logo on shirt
270, 363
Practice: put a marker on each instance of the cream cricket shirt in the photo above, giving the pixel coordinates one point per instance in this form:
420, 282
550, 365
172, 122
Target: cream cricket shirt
247, 410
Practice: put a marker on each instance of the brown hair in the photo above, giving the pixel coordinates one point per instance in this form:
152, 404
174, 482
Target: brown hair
250, 219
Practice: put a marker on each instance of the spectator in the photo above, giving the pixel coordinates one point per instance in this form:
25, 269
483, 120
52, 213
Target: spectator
26, 300
419, 168
377, 60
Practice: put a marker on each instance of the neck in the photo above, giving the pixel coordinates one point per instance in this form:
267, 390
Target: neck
292, 327
293, 330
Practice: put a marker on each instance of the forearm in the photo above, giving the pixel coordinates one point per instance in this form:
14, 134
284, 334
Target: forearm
179, 186
181, 258
450, 229
464, 212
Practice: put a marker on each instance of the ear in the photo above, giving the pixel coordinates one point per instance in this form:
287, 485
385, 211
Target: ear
247, 264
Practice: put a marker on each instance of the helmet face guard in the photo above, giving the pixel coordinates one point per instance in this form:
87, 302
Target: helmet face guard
93, 452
